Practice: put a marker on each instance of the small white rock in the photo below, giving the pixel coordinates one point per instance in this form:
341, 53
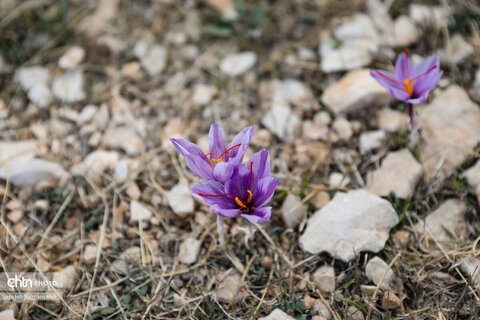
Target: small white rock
71, 58
138, 212
65, 278
90, 253
68, 87
293, 211
96, 163
375, 270
401, 33
155, 60
203, 94
352, 54
31, 76
180, 199
32, 173
277, 314
125, 138
7, 315
391, 120
371, 140
343, 128
281, 122
457, 51
324, 278
229, 289
429, 16
189, 250
338, 180
121, 170
40, 95
87, 114
238, 63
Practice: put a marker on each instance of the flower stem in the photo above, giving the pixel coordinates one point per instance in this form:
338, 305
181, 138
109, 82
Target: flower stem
410, 113
221, 236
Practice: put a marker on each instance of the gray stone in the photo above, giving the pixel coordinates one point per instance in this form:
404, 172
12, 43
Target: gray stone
375, 270
293, 211
371, 140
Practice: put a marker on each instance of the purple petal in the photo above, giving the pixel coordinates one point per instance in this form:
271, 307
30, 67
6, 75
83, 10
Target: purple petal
260, 167
399, 94
243, 138
194, 157
265, 190
224, 212
404, 68
215, 190
427, 64
259, 215
239, 182
216, 138
387, 83
222, 171
426, 83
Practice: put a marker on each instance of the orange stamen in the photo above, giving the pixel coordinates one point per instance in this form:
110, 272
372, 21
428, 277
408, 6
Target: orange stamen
210, 154
240, 203
408, 86
250, 195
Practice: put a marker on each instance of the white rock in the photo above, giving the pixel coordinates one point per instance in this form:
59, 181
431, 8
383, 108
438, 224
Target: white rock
356, 26
401, 33
277, 314
450, 129
31, 173
125, 138
31, 76
293, 211
352, 54
180, 199
68, 114
65, 278
203, 94
324, 278
472, 268
473, 174
343, 128
154, 60
318, 128
429, 16
378, 11
364, 225
457, 51
7, 315
238, 63
121, 170
291, 91
17, 151
68, 87
225, 7
229, 289
90, 253
391, 120
375, 270
102, 117
281, 121
356, 90
475, 90
399, 173
138, 212
40, 95
371, 140
337, 179
72, 58
189, 250
96, 164
448, 220
96, 23
87, 114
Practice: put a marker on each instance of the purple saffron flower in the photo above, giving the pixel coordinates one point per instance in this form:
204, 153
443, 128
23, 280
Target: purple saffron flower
218, 164
244, 193
410, 84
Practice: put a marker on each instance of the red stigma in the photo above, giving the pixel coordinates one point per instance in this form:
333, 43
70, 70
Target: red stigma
406, 62
226, 152
251, 176
388, 78
216, 195
210, 154
425, 73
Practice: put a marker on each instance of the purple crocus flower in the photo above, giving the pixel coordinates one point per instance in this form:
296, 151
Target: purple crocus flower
244, 193
218, 164
410, 84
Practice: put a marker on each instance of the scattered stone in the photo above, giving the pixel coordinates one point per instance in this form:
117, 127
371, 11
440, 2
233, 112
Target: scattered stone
229, 289
321, 199
87, 114
475, 90
32, 173
318, 128
356, 90
364, 225
180, 200
90, 253
451, 129
400, 238
225, 7
203, 94
281, 121
357, 26
277, 314
391, 120
238, 63
40, 95
324, 279
189, 250
120, 265
368, 290
371, 140
429, 16
96, 23
293, 211
42, 264
125, 138
378, 11
28, 77
338, 180
446, 222
96, 164
321, 309
473, 174
399, 173
41, 205
308, 301
457, 51
15, 216
65, 278
375, 270
9, 315
343, 128
354, 313
133, 191
154, 60
352, 54
291, 91
390, 300
472, 267
138, 212
401, 33
72, 58
121, 170
68, 87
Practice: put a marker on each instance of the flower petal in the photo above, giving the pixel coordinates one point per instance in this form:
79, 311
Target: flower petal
427, 64
224, 212
194, 157
265, 190
259, 215
216, 139
260, 167
222, 171
216, 192
426, 83
239, 182
404, 68
381, 76
399, 94
243, 138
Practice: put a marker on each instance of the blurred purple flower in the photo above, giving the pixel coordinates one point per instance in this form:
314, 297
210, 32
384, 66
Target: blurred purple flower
245, 192
218, 164
410, 84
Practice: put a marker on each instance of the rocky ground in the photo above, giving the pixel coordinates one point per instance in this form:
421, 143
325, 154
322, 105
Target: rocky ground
369, 221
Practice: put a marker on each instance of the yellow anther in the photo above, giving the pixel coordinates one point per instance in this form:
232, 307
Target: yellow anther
240, 203
249, 196
408, 86
211, 163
